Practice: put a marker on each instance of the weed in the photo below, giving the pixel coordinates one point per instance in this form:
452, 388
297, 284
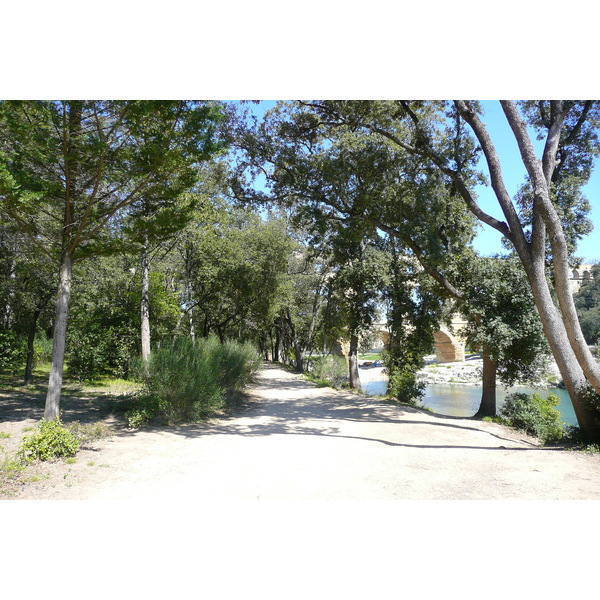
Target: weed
4, 435
90, 463
87, 433
52, 441
10, 467
71, 460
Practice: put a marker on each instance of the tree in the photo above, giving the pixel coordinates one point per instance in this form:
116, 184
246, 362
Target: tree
70, 169
568, 129
26, 290
345, 188
587, 301
503, 324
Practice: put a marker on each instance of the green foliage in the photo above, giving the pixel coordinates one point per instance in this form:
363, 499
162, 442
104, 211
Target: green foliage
191, 379
42, 350
12, 350
404, 386
502, 318
535, 415
587, 301
414, 315
52, 441
146, 408
332, 370
87, 354
10, 467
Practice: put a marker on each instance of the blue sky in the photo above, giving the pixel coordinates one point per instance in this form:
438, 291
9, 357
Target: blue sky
488, 240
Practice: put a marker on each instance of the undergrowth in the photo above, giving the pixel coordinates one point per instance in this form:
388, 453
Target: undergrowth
189, 381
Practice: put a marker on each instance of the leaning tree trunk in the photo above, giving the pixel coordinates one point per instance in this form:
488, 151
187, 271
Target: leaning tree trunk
566, 360
145, 308
487, 408
52, 410
353, 362
561, 327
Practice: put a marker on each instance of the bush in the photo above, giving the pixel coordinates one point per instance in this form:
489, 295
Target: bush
97, 352
52, 441
42, 350
331, 369
86, 355
404, 386
535, 415
145, 409
191, 379
238, 363
13, 350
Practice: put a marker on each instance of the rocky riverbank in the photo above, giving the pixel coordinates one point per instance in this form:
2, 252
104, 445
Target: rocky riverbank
466, 373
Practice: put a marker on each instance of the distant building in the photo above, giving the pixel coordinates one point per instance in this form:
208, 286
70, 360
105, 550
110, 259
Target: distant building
580, 276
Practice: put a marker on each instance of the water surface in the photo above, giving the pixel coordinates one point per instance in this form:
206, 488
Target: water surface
460, 400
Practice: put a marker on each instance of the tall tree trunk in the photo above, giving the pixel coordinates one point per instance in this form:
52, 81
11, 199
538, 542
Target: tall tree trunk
192, 328
191, 310
555, 331
52, 410
353, 362
487, 408
298, 354
145, 307
276, 357
561, 327
12, 274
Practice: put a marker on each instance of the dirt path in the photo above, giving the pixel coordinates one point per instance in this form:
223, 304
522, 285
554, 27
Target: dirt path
296, 441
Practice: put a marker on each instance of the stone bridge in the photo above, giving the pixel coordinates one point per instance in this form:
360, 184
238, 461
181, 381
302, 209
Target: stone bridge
449, 347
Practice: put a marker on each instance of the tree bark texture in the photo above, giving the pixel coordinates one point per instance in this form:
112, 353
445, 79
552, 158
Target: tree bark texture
560, 324
145, 307
52, 410
487, 408
353, 362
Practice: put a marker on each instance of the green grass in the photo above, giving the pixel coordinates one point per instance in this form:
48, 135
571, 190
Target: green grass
370, 356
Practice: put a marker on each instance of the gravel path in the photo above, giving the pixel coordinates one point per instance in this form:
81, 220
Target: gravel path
296, 441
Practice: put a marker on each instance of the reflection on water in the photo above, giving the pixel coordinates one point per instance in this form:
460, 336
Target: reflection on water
458, 400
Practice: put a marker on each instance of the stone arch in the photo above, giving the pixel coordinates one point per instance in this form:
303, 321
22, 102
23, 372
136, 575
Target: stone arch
448, 348
575, 274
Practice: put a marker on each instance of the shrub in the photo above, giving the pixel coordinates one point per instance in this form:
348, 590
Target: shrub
86, 355
13, 350
52, 441
535, 415
145, 409
238, 363
404, 386
89, 432
331, 369
42, 350
191, 379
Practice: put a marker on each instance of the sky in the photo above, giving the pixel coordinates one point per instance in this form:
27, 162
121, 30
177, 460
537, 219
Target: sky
488, 240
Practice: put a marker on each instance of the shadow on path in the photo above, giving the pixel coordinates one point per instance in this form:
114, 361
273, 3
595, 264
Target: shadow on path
317, 411
278, 403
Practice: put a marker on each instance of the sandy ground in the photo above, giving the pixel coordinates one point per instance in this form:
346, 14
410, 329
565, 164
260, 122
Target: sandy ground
295, 441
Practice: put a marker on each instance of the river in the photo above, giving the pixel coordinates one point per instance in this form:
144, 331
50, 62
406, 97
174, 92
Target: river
459, 400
